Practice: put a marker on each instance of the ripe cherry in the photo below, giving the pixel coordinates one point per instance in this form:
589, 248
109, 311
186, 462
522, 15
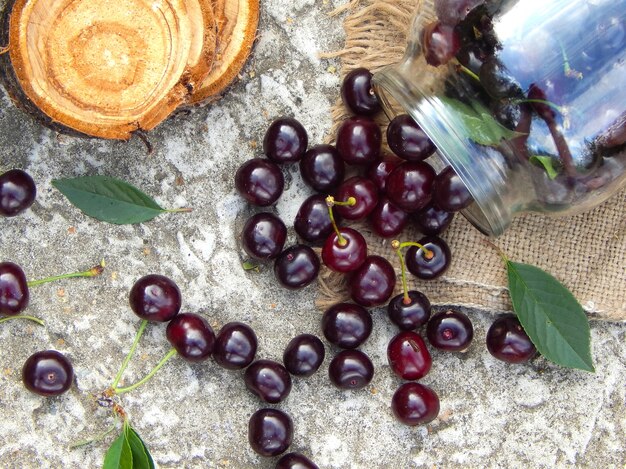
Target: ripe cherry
263, 236
191, 336
507, 340
14, 293
440, 42
269, 380
407, 140
415, 404
359, 140
346, 325
357, 93
259, 181
412, 314
450, 193
312, 222
365, 196
285, 140
47, 373
408, 356
450, 330
270, 432
155, 298
235, 346
351, 369
344, 251
387, 220
322, 168
373, 282
295, 461
297, 266
431, 263
17, 192
304, 355
379, 172
432, 220
410, 185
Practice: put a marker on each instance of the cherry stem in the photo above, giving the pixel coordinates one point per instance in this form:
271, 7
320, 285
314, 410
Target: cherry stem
146, 378
428, 254
468, 72
4, 50
330, 202
497, 249
93, 272
118, 376
23, 316
179, 210
396, 245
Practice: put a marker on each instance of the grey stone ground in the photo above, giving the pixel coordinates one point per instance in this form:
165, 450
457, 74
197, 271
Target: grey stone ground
492, 414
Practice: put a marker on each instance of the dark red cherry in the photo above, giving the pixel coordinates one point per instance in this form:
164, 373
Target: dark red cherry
270, 432
259, 181
47, 373
440, 43
450, 193
155, 298
507, 340
269, 380
304, 355
14, 289
409, 315
351, 369
450, 330
347, 256
346, 325
407, 140
379, 172
359, 140
415, 404
285, 140
432, 220
297, 266
387, 220
263, 236
425, 267
191, 336
312, 222
322, 168
373, 282
295, 461
357, 92
235, 346
410, 185
17, 192
408, 356
365, 193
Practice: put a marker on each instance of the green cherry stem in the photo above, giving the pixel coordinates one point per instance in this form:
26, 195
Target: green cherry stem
468, 72
398, 246
118, 376
93, 272
330, 203
146, 378
179, 210
23, 316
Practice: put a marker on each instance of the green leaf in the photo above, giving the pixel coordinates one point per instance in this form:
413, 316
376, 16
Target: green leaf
478, 123
108, 199
247, 265
119, 454
551, 316
141, 455
547, 162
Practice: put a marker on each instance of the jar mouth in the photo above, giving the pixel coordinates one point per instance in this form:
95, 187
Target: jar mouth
488, 213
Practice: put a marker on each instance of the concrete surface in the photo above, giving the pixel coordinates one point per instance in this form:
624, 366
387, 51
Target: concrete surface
492, 414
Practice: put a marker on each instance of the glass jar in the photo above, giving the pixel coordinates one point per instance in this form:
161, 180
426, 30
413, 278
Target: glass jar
525, 99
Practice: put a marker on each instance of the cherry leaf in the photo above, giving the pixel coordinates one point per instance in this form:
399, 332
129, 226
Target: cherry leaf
141, 455
547, 162
119, 455
551, 316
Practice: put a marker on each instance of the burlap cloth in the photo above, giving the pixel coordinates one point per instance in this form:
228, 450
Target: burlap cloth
587, 252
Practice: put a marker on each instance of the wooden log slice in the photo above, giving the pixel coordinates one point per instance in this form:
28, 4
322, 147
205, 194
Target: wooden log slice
237, 32
106, 68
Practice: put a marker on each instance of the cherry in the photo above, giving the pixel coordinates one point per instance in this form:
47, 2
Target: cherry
259, 181
450, 330
191, 336
263, 236
408, 356
415, 404
270, 432
304, 355
379, 172
440, 42
412, 314
428, 266
507, 340
453, 11
312, 222
407, 140
351, 369
386, 219
357, 93
322, 168
359, 141
155, 298
285, 140
14, 293
297, 266
344, 252
17, 192
410, 185
450, 193
373, 282
295, 461
432, 220
47, 373
346, 325
365, 196
235, 346
268, 379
